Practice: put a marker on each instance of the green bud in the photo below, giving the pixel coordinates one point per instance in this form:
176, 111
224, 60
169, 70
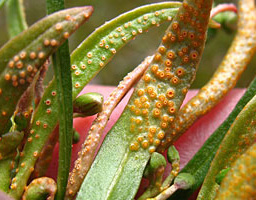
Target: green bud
76, 137
228, 20
184, 181
157, 160
172, 154
221, 175
88, 104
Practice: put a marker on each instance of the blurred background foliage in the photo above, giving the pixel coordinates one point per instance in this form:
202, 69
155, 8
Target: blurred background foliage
144, 45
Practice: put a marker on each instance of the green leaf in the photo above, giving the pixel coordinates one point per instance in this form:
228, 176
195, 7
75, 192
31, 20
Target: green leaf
61, 65
158, 96
16, 20
22, 56
100, 47
61, 62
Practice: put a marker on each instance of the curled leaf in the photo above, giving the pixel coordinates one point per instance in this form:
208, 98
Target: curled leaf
41, 188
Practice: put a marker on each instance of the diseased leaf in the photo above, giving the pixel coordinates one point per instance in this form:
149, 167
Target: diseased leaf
240, 181
226, 76
22, 56
40, 188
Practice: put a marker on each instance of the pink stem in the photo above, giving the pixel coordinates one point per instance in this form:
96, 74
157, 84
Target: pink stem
222, 8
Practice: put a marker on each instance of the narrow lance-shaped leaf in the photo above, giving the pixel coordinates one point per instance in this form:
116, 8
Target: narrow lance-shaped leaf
151, 109
46, 116
97, 50
225, 78
21, 57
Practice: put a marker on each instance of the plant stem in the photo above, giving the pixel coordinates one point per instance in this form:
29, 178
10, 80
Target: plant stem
16, 19
61, 63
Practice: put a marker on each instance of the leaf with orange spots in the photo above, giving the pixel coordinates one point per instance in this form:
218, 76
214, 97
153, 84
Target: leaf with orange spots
156, 99
22, 56
200, 163
40, 188
238, 139
225, 78
239, 183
